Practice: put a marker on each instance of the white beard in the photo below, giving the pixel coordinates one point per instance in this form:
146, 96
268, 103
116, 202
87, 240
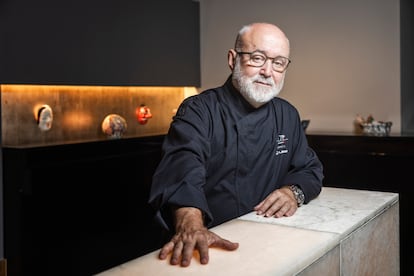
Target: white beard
256, 94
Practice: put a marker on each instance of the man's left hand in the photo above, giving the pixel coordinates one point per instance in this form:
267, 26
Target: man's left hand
279, 203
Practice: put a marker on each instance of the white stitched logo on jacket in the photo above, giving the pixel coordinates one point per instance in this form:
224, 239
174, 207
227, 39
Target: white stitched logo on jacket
281, 147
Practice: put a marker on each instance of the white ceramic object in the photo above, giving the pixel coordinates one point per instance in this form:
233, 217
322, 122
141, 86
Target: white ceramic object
45, 117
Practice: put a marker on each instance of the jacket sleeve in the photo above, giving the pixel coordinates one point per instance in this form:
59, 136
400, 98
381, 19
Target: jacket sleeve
306, 170
180, 176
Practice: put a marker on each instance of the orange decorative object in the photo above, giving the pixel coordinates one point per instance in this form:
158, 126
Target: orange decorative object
143, 113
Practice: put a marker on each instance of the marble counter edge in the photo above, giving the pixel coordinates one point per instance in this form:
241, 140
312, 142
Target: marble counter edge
335, 210
325, 222
252, 238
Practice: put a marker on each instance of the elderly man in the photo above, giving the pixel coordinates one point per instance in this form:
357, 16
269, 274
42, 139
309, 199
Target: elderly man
234, 149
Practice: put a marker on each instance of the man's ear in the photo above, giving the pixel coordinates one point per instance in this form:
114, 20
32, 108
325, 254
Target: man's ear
231, 58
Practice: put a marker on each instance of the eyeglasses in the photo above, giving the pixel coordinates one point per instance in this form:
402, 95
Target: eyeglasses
258, 59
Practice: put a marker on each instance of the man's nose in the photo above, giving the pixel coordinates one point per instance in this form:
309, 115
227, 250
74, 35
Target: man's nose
266, 70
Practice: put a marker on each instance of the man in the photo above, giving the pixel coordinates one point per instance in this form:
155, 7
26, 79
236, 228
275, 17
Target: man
234, 149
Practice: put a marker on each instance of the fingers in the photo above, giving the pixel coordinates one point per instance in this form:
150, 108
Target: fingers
204, 257
282, 207
226, 244
165, 250
180, 251
182, 248
187, 253
277, 204
287, 209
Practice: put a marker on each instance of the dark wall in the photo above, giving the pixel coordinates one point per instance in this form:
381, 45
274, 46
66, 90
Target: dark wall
407, 66
100, 42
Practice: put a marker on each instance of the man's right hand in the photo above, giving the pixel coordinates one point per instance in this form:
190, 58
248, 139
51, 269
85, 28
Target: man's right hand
191, 234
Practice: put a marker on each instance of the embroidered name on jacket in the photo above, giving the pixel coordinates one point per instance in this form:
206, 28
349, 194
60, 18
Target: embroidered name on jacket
281, 147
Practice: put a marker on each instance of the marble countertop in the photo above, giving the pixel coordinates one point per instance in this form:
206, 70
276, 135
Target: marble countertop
276, 246
336, 210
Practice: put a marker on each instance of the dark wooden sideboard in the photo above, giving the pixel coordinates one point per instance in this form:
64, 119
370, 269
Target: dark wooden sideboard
380, 163
365, 162
78, 209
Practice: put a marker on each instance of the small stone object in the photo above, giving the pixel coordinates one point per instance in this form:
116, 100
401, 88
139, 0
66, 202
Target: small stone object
44, 117
370, 126
114, 126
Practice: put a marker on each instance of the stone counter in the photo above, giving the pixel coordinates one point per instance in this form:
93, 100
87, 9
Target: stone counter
342, 232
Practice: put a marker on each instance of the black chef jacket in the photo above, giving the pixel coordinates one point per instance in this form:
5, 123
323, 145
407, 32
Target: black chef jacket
223, 156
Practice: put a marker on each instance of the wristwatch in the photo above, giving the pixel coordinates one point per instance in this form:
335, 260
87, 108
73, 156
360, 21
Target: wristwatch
298, 193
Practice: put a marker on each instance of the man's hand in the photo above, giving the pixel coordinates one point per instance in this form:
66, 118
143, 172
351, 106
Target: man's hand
279, 203
191, 234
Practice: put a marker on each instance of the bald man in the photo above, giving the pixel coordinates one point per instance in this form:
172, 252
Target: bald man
234, 149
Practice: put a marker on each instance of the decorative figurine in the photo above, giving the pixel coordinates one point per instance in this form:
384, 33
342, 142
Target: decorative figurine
44, 117
143, 113
114, 126
370, 126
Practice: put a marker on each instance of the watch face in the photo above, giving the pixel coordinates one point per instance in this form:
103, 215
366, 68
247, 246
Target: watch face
298, 193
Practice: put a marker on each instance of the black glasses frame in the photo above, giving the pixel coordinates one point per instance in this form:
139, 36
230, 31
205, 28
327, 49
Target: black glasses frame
265, 60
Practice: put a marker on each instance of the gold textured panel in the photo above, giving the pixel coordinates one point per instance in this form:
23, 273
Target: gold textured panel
3, 267
78, 111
